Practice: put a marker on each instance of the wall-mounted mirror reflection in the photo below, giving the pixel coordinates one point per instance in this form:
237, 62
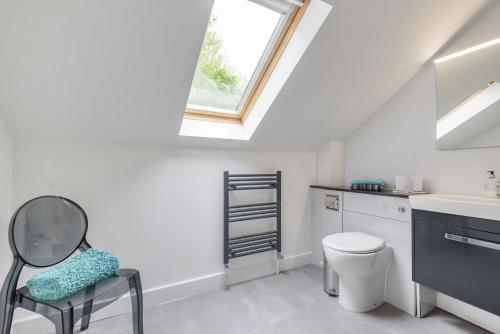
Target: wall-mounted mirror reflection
468, 98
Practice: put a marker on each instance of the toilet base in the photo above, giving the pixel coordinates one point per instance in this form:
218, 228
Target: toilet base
357, 296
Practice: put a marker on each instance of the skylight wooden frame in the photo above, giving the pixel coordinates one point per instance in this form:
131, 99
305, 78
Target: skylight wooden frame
275, 55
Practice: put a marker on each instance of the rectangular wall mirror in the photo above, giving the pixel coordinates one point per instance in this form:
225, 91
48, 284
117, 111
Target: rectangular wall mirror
468, 98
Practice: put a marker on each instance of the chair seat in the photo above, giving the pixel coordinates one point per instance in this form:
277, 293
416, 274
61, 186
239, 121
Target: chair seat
102, 293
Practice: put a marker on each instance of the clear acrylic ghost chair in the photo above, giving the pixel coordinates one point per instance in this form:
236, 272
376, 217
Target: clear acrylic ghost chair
46, 231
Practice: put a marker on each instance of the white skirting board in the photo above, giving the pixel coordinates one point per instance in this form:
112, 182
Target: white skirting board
172, 292
239, 273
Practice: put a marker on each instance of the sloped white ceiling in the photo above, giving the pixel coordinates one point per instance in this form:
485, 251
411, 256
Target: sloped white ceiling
120, 70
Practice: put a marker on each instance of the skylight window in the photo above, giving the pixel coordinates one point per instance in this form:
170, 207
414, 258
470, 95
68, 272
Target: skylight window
243, 42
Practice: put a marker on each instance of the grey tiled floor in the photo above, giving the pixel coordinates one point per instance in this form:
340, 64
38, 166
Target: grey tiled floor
290, 303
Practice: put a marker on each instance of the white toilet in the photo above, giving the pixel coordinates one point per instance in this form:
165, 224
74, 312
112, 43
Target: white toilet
361, 261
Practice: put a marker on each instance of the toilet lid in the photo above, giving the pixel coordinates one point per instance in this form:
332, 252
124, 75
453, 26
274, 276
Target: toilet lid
354, 242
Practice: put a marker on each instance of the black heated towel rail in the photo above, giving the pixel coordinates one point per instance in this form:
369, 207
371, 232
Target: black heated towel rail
252, 243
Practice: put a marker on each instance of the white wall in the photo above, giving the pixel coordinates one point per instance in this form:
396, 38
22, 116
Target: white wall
6, 156
160, 209
330, 164
399, 138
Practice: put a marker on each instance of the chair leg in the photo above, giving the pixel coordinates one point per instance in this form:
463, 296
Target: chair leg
6, 324
137, 305
8, 297
87, 308
87, 311
65, 324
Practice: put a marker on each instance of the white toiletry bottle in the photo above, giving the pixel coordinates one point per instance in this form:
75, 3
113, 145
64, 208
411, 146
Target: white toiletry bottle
490, 187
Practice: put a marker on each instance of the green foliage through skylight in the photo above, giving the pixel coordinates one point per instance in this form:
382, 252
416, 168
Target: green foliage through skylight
237, 36
215, 82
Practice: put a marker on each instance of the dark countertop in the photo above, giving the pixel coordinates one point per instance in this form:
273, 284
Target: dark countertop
348, 189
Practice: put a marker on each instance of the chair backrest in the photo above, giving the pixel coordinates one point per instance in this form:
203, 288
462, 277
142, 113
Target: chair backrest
47, 230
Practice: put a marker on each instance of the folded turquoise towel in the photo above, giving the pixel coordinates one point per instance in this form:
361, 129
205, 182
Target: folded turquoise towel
73, 275
369, 181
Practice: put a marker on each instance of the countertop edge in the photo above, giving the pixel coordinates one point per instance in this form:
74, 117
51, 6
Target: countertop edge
388, 193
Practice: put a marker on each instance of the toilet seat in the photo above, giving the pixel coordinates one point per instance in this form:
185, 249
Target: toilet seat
354, 243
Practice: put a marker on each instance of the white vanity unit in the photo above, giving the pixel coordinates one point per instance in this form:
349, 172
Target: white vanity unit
380, 214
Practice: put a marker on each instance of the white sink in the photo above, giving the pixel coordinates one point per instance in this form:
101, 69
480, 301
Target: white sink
471, 206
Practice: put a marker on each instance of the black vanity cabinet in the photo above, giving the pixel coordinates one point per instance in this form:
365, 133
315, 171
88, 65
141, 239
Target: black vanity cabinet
458, 256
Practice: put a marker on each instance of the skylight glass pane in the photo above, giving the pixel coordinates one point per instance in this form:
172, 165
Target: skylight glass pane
236, 39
